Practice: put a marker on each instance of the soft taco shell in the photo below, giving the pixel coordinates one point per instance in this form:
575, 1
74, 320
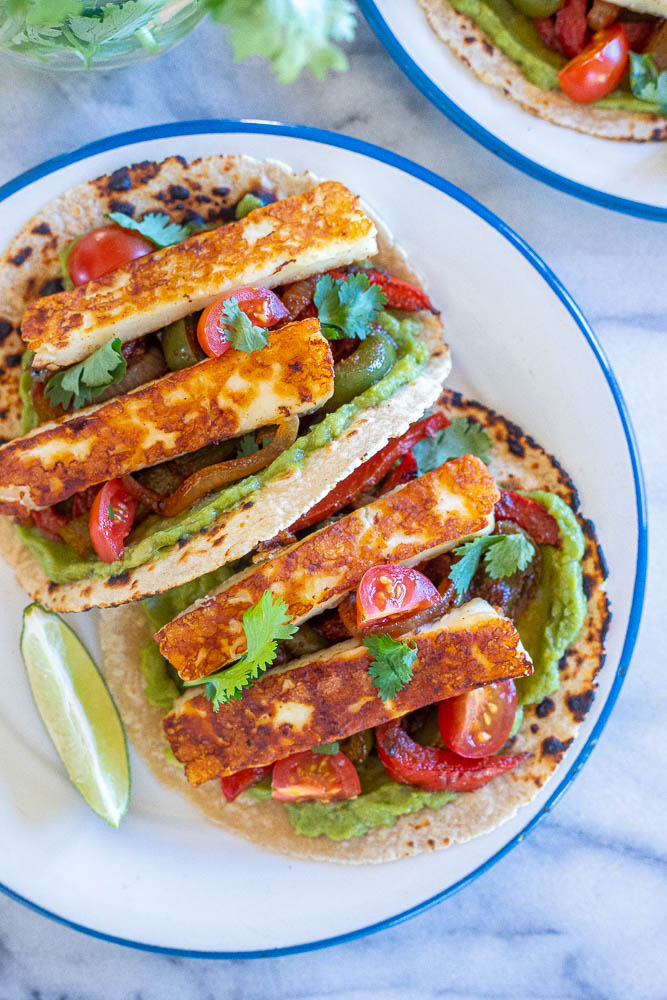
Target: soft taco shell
206, 187
546, 732
492, 66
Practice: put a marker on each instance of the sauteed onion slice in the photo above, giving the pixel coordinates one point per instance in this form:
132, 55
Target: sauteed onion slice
214, 476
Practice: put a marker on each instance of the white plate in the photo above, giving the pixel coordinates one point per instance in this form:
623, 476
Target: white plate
626, 176
169, 880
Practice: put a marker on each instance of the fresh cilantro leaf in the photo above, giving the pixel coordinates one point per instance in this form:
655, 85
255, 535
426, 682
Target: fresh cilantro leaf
327, 748
503, 556
646, 81
243, 335
292, 34
347, 306
264, 624
391, 666
507, 555
111, 513
462, 437
156, 226
82, 383
247, 446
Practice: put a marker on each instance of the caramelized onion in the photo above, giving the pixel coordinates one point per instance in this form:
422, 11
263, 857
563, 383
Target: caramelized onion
212, 478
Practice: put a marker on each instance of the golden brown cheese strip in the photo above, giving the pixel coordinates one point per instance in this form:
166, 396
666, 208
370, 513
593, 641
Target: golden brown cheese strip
427, 516
282, 242
329, 696
216, 399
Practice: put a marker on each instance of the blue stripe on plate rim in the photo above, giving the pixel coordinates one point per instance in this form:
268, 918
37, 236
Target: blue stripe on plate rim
456, 114
200, 127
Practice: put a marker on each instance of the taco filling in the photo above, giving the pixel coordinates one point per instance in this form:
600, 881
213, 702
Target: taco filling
139, 436
411, 616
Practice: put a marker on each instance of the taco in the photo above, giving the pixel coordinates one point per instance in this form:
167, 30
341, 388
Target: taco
589, 65
336, 751
141, 451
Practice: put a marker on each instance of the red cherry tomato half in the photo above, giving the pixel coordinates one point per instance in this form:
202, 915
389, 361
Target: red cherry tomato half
309, 775
104, 250
388, 591
599, 68
478, 723
110, 520
233, 784
261, 306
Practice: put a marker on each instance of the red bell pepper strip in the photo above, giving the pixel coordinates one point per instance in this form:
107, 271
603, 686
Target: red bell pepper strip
572, 27
434, 768
529, 515
49, 522
371, 472
400, 294
406, 470
547, 29
233, 784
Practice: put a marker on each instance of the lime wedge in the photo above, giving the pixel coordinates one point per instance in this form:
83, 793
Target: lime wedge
78, 712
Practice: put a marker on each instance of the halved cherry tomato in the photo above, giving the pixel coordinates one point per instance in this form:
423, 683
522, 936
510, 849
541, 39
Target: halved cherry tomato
400, 294
110, 520
309, 775
529, 515
233, 784
261, 305
371, 472
433, 768
478, 722
391, 592
103, 250
599, 68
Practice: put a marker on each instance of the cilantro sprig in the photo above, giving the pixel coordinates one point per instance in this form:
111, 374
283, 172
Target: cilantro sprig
264, 624
503, 555
238, 327
347, 306
391, 665
646, 80
157, 227
84, 382
462, 437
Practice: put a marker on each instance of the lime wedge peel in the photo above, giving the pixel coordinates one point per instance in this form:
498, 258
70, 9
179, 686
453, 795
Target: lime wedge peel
78, 712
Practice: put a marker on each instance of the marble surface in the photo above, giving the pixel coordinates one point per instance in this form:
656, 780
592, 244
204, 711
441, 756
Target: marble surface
577, 910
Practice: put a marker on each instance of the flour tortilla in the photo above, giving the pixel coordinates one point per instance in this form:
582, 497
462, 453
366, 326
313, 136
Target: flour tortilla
206, 187
546, 732
492, 66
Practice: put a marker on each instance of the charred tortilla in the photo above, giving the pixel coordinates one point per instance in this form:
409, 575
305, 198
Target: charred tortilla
546, 732
492, 66
206, 190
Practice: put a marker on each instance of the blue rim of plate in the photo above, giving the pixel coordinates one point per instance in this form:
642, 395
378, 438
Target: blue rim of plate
443, 103
204, 126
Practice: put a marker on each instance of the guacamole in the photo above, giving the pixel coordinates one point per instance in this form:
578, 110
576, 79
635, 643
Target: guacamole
515, 34
157, 536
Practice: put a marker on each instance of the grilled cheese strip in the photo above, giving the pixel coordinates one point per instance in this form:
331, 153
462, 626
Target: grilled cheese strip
329, 696
273, 245
216, 399
427, 516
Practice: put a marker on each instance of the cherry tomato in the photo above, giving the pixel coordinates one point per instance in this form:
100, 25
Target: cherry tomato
261, 305
386, 591
233, 784
433, 768
110, 521
478, 722
599, 68
104, 250
529, 515
400, 294
309, 775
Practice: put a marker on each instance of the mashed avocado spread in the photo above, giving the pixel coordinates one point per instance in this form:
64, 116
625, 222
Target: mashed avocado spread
156, 536
548, 627
515, 34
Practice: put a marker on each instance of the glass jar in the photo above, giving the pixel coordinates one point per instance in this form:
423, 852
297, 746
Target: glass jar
88, 34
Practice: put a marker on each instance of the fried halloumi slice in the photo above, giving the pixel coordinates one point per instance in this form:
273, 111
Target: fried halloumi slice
427, 516
216, 399
329, 696
276, 244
